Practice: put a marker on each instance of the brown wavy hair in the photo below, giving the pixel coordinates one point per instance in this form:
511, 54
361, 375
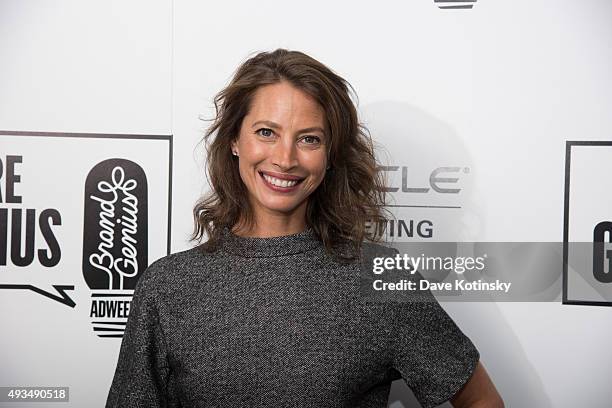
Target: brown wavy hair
352, 191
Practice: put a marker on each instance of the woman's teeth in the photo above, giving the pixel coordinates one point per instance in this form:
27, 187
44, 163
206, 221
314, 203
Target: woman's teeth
279, 182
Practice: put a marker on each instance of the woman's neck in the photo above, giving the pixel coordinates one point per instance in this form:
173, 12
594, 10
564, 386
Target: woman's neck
269, 223
270, 227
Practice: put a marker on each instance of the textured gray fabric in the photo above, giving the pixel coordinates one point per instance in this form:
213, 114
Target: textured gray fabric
277, 322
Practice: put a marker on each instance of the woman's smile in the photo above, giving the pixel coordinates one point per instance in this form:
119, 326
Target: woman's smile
282, 183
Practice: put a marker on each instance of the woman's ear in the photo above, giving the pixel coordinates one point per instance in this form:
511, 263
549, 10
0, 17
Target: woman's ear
234, 148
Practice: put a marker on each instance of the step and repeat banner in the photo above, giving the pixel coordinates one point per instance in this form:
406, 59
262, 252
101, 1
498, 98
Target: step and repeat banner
491, 121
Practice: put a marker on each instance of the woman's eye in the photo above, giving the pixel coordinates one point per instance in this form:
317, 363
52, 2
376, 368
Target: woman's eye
265, 132
311, 139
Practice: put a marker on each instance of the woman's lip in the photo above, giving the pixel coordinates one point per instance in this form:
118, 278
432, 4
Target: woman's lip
281, 176
277, 188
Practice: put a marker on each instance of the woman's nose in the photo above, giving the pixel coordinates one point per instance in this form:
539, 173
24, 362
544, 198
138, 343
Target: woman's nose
285, 154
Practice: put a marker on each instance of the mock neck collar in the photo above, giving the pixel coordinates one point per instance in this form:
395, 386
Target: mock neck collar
250, 247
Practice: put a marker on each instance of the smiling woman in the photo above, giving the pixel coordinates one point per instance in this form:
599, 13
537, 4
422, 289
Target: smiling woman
268, 312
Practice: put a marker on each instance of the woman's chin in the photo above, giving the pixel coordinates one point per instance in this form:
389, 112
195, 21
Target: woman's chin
281, 206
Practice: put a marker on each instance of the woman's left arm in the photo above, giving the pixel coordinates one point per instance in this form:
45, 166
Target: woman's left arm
478, 392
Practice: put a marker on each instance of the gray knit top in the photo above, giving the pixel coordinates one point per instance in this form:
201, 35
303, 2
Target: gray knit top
278, 322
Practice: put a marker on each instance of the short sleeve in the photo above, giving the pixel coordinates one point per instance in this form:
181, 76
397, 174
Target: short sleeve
142, 372
431, 353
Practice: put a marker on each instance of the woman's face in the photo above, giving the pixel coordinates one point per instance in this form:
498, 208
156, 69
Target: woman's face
282, 150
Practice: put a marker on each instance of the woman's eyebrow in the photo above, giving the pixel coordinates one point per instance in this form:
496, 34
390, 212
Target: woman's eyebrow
274, 125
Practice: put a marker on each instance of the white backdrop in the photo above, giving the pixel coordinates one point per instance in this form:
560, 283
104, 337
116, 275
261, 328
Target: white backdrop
495, 90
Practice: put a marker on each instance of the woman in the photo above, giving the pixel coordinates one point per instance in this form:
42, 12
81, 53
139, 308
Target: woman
267, 312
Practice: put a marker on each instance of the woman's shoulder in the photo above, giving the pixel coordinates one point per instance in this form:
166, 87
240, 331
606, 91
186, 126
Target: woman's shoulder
371, 250
385, 248
175, 268
347, 249
181, 259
